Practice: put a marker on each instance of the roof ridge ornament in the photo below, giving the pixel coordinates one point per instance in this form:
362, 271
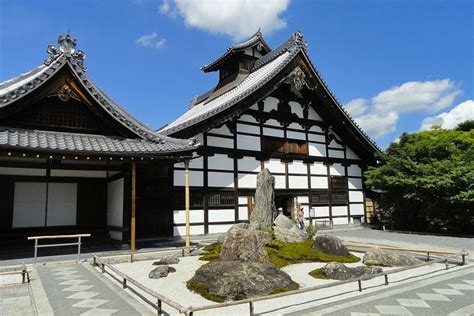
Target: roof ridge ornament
297, 38
67, 46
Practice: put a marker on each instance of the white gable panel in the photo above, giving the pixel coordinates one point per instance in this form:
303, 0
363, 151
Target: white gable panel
336, 170
354, 171
223, 130
221, 162
254, 106
247, 118
318, 150
275, 132
295, 135
316, 138
297, 166
298, 182
270, 103
247, 180
195, 178
220, 179
336, 153
316, 129
248, 164
220, 142
318, 167
275, 166
272, 122
295, 126
296, 108
355, 183
248, 142
245, 128
350, 154
319, 183
312, 115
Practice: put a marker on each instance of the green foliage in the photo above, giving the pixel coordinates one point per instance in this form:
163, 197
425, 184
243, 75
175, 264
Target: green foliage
213, 252
428, 181
318, 274
310, 231
284, 253
466, 126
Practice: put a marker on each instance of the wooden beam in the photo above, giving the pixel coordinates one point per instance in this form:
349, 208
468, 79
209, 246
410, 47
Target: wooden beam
133, 207
186, 203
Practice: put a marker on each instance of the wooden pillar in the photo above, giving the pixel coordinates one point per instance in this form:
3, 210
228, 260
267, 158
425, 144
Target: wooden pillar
186, 197
133, 207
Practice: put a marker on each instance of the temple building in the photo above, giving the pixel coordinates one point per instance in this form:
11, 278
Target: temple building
72, 160
270, 109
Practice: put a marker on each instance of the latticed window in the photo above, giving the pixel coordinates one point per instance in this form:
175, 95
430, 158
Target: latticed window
196, 199
221, 199
320, 197
339, 193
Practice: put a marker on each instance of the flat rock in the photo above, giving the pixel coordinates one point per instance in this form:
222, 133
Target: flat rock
379, 257
338, 271
330, 245
245, 244
294, 234
233, 280
261, 217
167, 260
283, 222
159, 272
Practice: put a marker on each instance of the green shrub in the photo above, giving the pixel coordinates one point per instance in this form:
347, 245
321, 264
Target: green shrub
310, 231
318, 274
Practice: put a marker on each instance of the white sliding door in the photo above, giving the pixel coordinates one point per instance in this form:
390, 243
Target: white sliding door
62, 204
29, 204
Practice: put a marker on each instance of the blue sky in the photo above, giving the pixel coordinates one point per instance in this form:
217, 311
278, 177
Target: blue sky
399, 65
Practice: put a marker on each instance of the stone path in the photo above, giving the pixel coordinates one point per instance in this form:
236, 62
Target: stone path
76, 290
15, 300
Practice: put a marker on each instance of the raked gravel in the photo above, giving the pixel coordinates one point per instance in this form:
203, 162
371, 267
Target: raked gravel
174, 287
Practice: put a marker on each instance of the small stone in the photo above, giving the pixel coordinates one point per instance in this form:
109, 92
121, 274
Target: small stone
379, 257
338, 271
159, 272
330, 245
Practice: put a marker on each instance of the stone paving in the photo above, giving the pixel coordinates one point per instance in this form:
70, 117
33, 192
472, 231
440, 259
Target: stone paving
15, 299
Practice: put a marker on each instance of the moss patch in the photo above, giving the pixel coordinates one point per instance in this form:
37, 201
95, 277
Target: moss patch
318, 274
203, 290
213, 252
282, 254
285, 289
171, 270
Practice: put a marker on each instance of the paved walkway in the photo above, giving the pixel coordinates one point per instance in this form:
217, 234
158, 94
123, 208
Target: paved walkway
77, 289
15, 299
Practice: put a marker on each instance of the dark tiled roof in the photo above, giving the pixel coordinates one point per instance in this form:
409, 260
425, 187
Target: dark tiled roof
87, 143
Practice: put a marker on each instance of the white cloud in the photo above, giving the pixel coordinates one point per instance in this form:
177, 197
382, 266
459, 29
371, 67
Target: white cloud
357, 107
449, 120
379, 116
151, 40
235, 18
378, 124
429, 96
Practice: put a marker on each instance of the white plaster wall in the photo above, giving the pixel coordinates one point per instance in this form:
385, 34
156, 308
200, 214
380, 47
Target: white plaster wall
223, 130
195, 216
247, 180
333, 144
316, 138
339, 210
321, 211
193, 230
243, 213
296, 108
297, 166
251, 129
336, 153
270, 103
351, 154
340, 221
317, 150
248, 118
79, 173
355, 183
115, 191
220, 179
303, 199
272, 122
280, 182
298, 182
219, 228
357, 209
62, 204
295, 135
242, 200
220, 142
336, 170
29, 204
319, 182
254, 106
221, 162
248, 164
356, 196
316, 129
275, 132
318, 168
295, 126
22, 171
275, 166
354, 171
312, 115
222, 215
195, 178
248, 142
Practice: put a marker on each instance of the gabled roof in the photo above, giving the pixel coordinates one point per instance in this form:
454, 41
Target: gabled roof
254, 40
265, 69
66, 55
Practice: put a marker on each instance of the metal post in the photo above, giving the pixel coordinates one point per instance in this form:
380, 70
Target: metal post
386, 279
158, 307
79, 249
36, 248
103, 268
23, 276
186, 194
94, 261
124, 283
463, 259
360, 285
427, 256
446, 263
251, 308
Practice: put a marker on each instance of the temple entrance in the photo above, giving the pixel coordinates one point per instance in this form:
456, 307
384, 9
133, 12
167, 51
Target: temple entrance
286, 202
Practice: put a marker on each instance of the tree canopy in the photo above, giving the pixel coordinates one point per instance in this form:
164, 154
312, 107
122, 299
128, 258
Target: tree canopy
427, 181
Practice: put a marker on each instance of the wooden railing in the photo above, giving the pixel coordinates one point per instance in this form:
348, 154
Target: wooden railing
192, 309
78, 243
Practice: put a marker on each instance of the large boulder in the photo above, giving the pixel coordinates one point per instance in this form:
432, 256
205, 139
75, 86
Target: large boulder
379, 257
245, 244
261, 217
330, 245
160, 272
338, 271
232, 280
283, 221
294, 234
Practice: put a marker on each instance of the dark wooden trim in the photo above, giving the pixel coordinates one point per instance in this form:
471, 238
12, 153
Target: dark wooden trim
328, 170
205, 185
236, 176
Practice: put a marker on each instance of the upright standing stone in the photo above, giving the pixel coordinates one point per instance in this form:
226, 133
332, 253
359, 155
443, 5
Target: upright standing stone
261, 217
